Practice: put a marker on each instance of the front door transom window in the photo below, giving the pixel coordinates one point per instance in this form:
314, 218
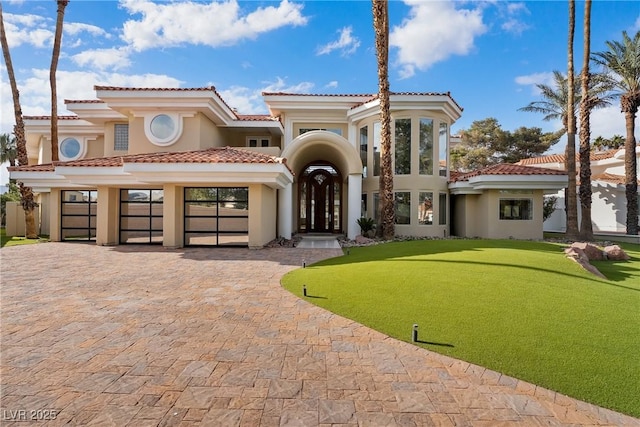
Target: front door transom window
320, 199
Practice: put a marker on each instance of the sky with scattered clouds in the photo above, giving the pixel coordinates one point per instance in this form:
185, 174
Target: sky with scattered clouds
488, 54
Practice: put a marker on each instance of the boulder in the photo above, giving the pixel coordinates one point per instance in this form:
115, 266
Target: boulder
593, 252
615, 253
576, 254
361, 240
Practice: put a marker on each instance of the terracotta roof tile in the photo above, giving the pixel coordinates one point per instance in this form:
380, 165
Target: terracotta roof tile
609, 177
83, 101
210, 155
505, 169
371, 96
559, 158
256, 117
47, 167
155, 89
49, 118
166, 89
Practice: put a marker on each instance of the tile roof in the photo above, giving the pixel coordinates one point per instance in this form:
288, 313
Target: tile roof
371, 96
609, 177
155, 89
559, 158
49, 118
168, 89
504, 169
256, 117
210, 155
83, 101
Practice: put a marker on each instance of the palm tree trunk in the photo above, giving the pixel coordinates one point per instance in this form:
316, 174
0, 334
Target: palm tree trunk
62, 4
26, 195
386, 228
631, 168
586, 226
571, 197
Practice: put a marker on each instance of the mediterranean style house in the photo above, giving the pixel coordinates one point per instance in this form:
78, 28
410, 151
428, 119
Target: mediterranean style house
180, 167
609, 201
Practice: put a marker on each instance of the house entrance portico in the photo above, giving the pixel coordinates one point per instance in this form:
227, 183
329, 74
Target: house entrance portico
320, 199
326, 192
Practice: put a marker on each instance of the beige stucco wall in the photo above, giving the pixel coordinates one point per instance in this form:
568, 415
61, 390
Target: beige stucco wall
45, 215
15, 225
524, 229
197, 132
109, 138
107, 216
262, 215
54, 214
479, 216
173, 216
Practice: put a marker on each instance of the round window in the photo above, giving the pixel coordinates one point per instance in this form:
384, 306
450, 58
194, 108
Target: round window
162, 126
70, 148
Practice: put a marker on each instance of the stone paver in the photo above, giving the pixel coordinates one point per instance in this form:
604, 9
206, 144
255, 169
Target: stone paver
145, 336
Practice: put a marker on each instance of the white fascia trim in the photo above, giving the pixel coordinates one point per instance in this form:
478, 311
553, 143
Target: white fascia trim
269, 124
547, 182
462, 188
275, 173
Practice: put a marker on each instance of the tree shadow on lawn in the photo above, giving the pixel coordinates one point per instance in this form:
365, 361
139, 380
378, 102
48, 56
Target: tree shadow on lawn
394, 250
620, 274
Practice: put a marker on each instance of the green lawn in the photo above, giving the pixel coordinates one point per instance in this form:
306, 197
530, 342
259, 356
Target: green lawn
14, 241
520, 308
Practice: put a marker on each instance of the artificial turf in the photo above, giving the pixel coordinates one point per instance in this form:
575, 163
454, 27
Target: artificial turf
517, 307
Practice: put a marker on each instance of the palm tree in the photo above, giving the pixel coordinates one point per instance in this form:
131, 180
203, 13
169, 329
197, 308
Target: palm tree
8, 151
26, 194
586, 228
623, 60
62, 4
387, 209
570, 153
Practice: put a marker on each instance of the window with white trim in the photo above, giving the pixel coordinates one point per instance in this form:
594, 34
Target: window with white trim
516, 209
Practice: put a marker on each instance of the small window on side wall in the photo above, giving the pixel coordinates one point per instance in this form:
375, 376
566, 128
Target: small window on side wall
121, 137
516, 209
258, 141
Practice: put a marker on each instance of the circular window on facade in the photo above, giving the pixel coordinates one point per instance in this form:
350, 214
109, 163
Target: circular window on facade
162, 127
70, 148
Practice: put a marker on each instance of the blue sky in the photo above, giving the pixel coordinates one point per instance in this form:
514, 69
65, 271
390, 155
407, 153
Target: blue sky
488, 54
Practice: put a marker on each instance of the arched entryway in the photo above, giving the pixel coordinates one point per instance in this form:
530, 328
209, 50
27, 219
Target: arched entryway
320, 199
317, 156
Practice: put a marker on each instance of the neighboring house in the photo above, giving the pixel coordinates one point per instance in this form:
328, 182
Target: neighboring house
180, 167
608, 200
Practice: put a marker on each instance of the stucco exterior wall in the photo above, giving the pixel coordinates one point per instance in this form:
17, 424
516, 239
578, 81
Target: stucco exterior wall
109, 138
262, 215
15, 225
517, 229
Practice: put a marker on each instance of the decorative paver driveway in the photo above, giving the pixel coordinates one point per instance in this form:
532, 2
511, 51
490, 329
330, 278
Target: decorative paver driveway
144, 336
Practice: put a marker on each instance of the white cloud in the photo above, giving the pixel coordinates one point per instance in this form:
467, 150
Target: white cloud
35, 93
75, 28
332, 84
280, 85
609, 121
210, 24
346, 43
103, 59
512, 15
534, 79
249, 100
27, 29
433, 32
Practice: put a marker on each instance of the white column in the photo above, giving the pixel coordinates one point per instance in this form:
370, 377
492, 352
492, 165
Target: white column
285, 211
354, 209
